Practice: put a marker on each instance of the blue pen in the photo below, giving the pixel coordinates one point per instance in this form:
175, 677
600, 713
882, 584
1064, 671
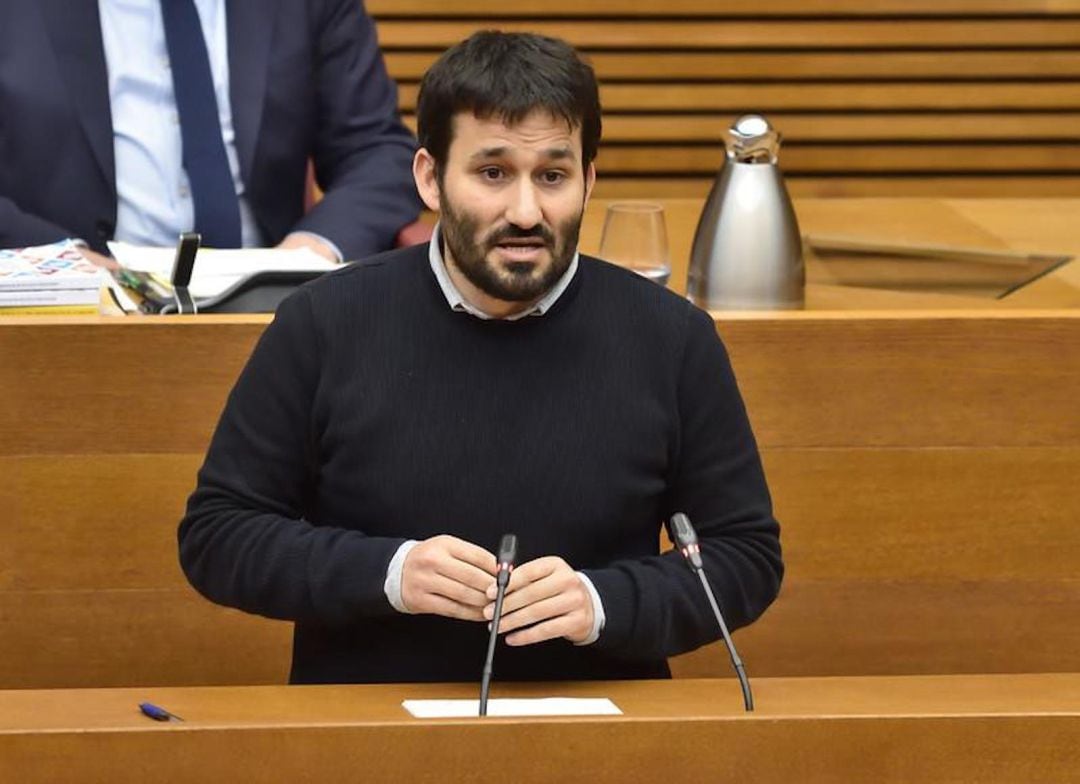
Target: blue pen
156, 713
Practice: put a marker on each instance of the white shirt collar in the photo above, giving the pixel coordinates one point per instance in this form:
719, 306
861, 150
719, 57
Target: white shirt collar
458, 303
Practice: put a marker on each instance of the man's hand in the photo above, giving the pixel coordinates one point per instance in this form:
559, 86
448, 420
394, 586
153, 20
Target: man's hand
298, 240
548, 593
447, 576
98, 259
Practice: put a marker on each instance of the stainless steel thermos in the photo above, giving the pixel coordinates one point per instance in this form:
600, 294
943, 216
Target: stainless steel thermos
747, 251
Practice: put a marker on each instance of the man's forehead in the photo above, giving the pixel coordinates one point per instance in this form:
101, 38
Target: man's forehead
551, 134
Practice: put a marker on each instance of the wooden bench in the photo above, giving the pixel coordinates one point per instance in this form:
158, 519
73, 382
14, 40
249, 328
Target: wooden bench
890, 97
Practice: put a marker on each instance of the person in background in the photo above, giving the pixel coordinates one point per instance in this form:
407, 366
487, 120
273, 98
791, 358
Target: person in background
137, 120
398, 416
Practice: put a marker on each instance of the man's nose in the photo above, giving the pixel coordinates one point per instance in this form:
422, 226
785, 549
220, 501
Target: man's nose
524, 208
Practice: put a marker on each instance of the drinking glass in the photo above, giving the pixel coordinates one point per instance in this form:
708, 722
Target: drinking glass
634, 236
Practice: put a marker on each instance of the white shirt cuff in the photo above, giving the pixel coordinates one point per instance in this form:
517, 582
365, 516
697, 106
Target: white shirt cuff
392, 586
598, 611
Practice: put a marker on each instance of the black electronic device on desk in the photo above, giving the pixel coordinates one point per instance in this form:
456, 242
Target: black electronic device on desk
257, 292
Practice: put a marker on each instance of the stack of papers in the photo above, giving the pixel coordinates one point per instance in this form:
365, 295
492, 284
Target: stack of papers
49, 279
217, 270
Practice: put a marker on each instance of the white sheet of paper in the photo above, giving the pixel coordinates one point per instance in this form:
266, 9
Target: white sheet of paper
543, 706
216, 270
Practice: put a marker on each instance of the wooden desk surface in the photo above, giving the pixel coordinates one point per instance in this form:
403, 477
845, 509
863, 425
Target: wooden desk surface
1045, 226
940, 728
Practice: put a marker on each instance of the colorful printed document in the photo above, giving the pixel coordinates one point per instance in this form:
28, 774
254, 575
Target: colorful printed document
60, 265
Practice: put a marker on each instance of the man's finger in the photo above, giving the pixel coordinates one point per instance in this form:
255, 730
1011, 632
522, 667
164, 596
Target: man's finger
552, 607
548, 630
439, 605
529, 573
465, 573
472, 554
455, 591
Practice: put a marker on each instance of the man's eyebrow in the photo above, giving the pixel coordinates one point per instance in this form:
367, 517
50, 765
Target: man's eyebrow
552, 153
560, 153
488, 152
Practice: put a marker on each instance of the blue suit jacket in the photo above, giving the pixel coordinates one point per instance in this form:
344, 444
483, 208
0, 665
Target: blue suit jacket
307, 81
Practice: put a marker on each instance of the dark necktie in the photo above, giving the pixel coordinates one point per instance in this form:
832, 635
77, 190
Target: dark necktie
217, 211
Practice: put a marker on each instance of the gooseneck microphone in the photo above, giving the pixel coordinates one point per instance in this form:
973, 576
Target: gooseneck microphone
685, 538
505, 560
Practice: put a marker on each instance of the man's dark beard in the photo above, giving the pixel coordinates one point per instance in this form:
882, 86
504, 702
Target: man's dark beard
459, 236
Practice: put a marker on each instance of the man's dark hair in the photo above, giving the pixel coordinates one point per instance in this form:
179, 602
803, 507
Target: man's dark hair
507, 75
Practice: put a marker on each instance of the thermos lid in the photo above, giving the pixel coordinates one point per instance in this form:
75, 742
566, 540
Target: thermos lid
752, 140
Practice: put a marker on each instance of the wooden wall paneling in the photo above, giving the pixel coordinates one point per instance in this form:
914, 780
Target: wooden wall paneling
800, 158
486, 9
879, 79
409, 65
613, 186
106, 637
832, 96
781, 34
106, 387
906, 380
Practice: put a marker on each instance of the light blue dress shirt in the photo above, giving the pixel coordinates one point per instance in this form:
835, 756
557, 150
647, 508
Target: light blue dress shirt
153, 195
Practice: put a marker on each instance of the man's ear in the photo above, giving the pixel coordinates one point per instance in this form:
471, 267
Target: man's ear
590, 180
427, 183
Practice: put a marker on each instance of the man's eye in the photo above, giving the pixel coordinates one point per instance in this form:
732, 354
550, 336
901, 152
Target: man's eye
553, 177
491, 173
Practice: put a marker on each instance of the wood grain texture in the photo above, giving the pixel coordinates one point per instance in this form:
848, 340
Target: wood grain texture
763, 8
1021, 728
767, 98
808, 158
410, 65
91, 385
991, 186
888, 381
135, 637
816, 127
959, 33
964, 73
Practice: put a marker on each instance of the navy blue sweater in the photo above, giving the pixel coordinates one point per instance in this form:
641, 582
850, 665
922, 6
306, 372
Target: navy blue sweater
370, 412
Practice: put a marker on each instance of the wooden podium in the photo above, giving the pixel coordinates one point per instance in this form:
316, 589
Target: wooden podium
1008, 728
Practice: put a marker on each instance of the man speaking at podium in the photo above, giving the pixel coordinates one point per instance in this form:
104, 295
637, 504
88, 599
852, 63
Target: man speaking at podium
400, 415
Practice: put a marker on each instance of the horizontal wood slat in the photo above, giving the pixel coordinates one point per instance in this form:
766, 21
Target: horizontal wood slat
983, 519
141, 637
800, 66
817, 96
925, 513
908, 381
83, 402
852, 129
610, 186
60, 534
960, 73
647, 8
905, 627
839, 159
79, 402
729, 34
58, 538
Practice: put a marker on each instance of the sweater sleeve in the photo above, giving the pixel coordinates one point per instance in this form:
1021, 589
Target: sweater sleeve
655, 606
244, 541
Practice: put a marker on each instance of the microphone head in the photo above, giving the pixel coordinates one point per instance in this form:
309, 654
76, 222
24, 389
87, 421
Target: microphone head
680, 531
685, 539
507, 550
